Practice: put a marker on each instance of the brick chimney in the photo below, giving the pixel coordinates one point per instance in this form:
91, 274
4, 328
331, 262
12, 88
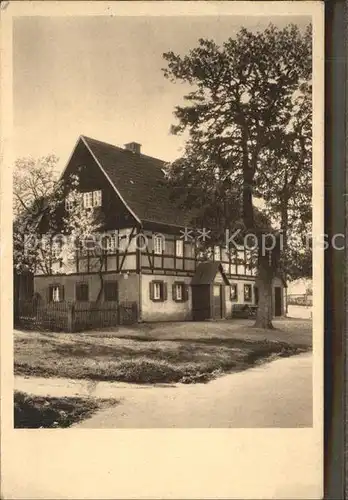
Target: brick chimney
135, 147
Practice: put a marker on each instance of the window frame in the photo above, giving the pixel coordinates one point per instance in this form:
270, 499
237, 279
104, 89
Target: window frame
111, 297
248, 286
157, 291
51, 289
156, 238
217, 249
69, 203
88, 195
234, 292
184, 291
97, 198
77, 295
108, 243
56, 249
163, 295
179, 251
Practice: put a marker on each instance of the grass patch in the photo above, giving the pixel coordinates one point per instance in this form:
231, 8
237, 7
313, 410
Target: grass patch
150, 357
37, 412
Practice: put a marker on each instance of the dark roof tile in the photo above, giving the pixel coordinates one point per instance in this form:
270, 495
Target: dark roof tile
139, 180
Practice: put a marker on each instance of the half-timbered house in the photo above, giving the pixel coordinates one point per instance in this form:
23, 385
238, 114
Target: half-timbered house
147, 259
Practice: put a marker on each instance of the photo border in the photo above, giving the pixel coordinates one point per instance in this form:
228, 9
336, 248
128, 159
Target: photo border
336, 222
172, 472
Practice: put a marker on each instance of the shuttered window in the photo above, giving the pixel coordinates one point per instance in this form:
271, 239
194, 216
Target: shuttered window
158, 291
82, 292
234, 292
110, 291
55, 293
180, 292
247, 293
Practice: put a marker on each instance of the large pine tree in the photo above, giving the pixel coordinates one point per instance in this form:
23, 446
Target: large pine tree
248, 120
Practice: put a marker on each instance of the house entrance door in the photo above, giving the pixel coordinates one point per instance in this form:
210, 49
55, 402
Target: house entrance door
217, 302
277, 301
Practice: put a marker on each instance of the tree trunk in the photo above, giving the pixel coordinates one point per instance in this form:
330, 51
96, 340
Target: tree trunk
284, 227
264, 313
264, 281
248, 210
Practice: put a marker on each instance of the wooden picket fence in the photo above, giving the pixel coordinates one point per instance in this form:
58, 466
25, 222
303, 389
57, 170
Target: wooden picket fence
73, 316
300, 300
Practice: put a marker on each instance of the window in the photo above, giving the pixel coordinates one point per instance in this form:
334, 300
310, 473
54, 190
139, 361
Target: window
57, 246
200, 254
69, 203
226, 267
110, 291
233, 268
88, 200
158, 291
179, 248
190, 249
247, 293
97, 198
92, 199
234, 291
180, 292
158, 244
82, 292
217, 253
108, 243
56, 293
209, 253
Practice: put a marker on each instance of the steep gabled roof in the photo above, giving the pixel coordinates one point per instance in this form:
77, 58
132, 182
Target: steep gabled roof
206, 272
139, 180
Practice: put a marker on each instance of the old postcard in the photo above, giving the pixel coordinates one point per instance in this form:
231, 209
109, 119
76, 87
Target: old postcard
162, 249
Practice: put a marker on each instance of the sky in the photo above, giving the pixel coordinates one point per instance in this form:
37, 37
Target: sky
102, 77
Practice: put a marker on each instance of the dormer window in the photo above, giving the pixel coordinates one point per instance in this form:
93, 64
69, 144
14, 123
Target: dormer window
92, 199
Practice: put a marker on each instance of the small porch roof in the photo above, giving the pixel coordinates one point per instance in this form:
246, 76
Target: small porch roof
206, 272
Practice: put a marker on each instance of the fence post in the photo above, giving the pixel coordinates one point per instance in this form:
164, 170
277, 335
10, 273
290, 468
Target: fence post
71, 317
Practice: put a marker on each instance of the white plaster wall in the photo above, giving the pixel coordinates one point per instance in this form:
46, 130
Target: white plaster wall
168, 310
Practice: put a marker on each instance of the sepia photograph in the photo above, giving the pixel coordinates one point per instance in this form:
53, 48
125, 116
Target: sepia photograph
162, 222
163, 202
